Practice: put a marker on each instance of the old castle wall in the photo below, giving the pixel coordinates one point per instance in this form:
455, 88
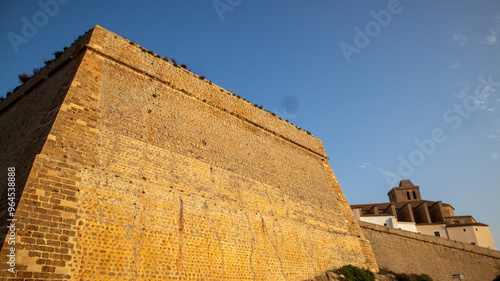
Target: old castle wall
440, 258
143, 170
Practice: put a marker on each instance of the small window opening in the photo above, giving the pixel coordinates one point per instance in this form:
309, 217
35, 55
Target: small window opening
408, 195
437, 233
414, 195
473, 243
464, 229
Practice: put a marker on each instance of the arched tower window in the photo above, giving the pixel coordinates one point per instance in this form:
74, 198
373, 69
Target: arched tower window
414, 195
408, 195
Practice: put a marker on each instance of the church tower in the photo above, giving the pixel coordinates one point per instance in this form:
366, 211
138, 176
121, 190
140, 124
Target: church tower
405, 192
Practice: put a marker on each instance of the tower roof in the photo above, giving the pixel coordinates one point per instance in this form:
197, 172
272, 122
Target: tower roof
406, 183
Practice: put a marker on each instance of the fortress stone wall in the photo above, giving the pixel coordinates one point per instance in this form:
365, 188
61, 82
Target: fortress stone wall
440, 258
129, 168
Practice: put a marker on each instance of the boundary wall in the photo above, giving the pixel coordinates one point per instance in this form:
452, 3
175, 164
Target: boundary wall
440, 258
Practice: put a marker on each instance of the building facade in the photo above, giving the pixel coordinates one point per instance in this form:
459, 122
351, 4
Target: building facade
407, 211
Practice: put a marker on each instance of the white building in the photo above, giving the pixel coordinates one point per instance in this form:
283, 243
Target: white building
407, 211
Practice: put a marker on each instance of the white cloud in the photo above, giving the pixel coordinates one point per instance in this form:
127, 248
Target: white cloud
387, 173
364, 165
494, 156
459, 38
495, 137
484, 99
491, 38
456, 65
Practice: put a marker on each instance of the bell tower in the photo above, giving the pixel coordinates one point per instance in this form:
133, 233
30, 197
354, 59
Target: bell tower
405, 192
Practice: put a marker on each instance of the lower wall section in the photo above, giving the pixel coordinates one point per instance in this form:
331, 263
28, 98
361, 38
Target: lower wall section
440, 258
137, 230
77, 223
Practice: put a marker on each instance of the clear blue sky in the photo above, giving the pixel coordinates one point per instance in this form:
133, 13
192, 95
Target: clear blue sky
367, 87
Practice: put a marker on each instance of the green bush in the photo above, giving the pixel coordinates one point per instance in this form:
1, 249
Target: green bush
352, 273
47, 62
57, 54
23, 77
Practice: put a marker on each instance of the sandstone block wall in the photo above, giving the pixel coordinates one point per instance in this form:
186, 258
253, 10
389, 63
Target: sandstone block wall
137, 169
440, 258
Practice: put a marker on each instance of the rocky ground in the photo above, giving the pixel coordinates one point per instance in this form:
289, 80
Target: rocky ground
332, 276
